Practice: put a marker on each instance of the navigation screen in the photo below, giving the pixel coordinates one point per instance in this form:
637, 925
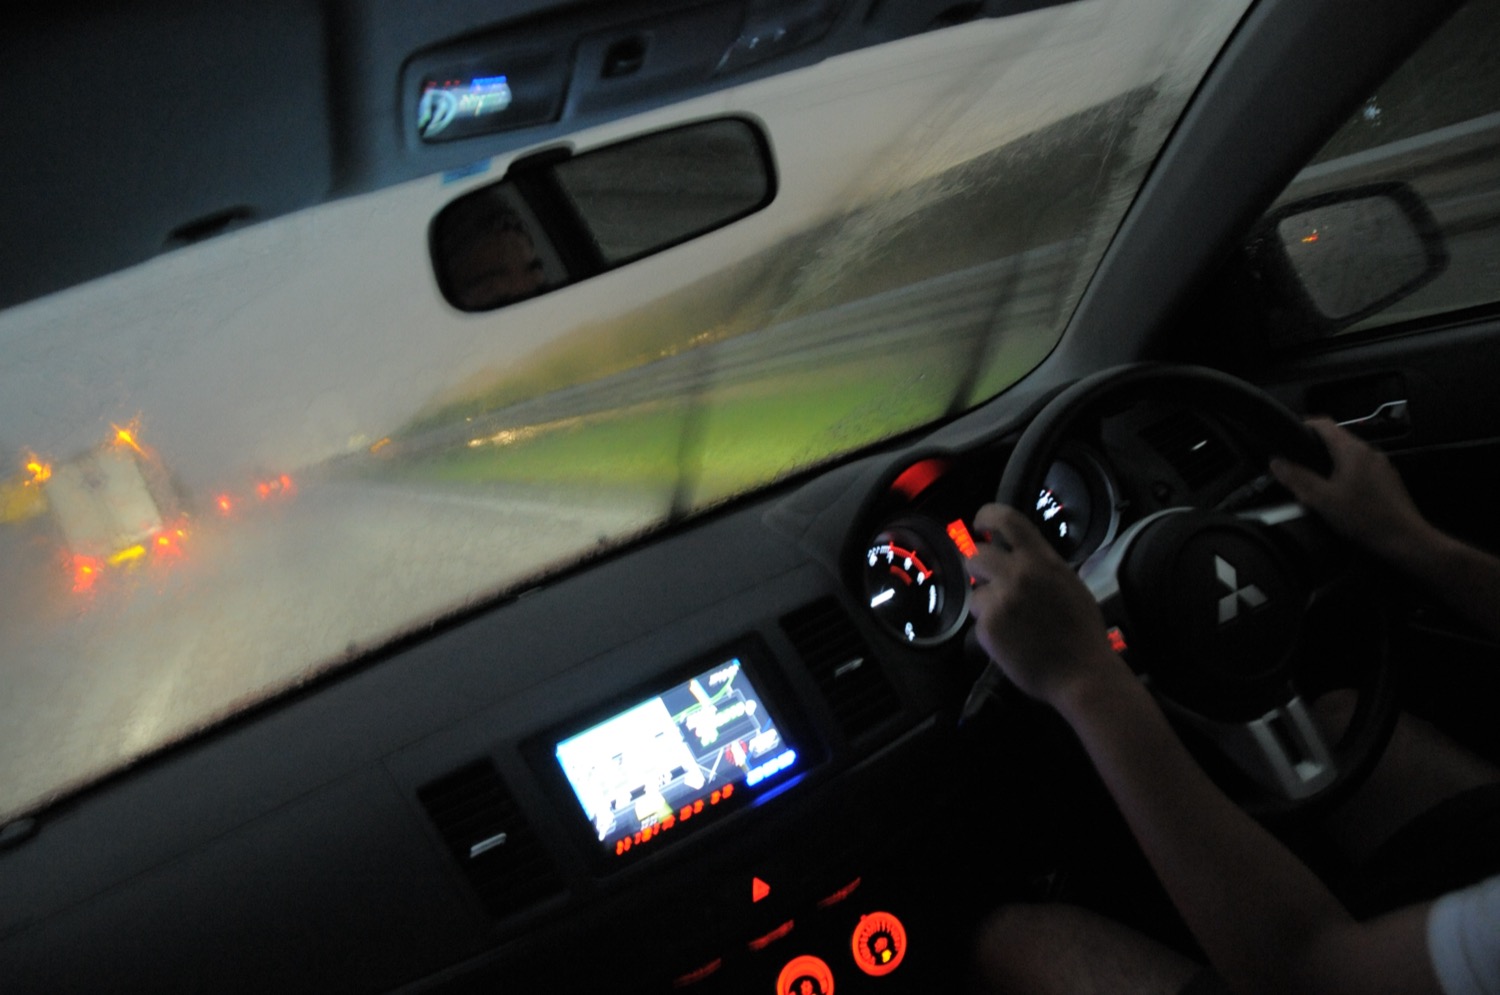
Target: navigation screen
674, 757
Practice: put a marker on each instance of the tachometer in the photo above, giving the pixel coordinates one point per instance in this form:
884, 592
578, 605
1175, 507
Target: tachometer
915, 582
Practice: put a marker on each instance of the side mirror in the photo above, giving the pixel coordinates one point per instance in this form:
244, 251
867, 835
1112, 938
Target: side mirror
1331, 261
557, 218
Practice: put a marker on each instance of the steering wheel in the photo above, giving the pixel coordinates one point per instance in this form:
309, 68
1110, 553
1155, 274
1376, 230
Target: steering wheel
1210, 605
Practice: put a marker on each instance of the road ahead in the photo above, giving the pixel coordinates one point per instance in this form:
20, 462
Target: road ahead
255, 603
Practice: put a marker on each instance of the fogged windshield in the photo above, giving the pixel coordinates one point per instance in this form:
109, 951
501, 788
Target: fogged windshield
238, 466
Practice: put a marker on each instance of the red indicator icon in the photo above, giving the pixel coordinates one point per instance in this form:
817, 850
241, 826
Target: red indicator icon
758, 889
878, 944
962, 538
805, 975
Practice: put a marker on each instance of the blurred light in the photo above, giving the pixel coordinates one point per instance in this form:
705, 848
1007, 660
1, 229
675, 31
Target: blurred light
127, 554
379, 445
761, 942
224, 503
1306, 239
86, 571
40, 470
1117, 640
840, 895
126, 435
959, 533
697, 975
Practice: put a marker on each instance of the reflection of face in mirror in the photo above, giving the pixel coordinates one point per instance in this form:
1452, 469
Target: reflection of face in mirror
488, 252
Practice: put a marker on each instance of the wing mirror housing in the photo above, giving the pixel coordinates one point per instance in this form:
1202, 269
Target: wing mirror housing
557, 218
1331, 261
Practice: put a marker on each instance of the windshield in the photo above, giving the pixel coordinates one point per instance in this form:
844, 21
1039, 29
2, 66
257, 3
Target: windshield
241, 465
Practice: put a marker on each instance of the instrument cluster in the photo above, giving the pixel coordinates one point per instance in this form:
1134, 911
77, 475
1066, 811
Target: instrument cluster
911, 565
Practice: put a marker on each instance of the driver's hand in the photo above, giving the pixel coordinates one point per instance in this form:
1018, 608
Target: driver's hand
1035, 618
1362, 499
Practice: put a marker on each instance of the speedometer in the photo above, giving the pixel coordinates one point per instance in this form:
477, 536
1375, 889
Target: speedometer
1076, 507
1064, 508
915, 582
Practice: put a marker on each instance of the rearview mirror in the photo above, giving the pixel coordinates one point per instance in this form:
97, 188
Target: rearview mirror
558, 218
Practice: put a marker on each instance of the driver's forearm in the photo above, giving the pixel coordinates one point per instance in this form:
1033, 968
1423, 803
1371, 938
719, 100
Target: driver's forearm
1463, 577
1258, 912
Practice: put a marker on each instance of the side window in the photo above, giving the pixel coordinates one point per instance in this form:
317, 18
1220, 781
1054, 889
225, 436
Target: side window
1397, 218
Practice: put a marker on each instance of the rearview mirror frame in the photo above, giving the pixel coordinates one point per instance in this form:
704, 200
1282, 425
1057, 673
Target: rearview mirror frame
557, 217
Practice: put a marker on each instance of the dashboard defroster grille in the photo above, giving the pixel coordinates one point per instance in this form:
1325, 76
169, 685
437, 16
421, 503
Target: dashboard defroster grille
858, 692
494, 845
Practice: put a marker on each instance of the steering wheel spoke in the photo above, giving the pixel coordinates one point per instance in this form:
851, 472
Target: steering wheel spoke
1306, 539
1284, 750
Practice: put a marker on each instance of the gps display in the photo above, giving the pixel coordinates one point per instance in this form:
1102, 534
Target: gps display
674, 757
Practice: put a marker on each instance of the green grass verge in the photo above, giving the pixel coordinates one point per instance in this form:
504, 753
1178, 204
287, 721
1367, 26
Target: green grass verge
743, 437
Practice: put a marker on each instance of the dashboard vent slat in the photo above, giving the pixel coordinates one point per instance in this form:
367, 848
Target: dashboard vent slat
858, 692
1197, 454
484, 830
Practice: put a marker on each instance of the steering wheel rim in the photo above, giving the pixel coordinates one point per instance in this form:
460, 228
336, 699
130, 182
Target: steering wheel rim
1289, 768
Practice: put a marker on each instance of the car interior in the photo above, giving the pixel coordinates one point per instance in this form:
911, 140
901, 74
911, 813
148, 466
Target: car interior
430, 811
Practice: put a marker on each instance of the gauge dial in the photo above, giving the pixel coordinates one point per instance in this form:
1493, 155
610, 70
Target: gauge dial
915, 582
1064, 509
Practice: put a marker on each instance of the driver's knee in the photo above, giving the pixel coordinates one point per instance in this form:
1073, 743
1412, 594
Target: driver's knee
1420, 768
1043, 949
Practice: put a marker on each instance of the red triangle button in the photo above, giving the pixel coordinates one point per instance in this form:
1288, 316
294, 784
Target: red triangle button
758, 889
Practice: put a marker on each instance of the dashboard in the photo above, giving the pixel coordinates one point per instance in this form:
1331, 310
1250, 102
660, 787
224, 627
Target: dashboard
747, 775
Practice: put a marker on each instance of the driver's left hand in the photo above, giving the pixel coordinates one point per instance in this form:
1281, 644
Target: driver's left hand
1035, 617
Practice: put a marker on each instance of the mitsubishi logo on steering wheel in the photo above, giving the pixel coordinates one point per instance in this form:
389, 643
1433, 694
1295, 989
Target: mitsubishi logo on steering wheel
1229, 604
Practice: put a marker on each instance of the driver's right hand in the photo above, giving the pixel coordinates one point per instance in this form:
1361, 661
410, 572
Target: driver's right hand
1362, 498
1035, 617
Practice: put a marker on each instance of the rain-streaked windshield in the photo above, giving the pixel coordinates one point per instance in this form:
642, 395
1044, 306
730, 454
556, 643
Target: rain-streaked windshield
243, 464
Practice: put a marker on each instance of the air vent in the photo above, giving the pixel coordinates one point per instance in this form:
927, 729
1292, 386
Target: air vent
1198, 455
859, 693
483, 827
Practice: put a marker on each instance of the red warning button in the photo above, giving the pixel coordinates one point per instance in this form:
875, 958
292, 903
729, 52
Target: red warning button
879, 943
758, 889
805, 975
